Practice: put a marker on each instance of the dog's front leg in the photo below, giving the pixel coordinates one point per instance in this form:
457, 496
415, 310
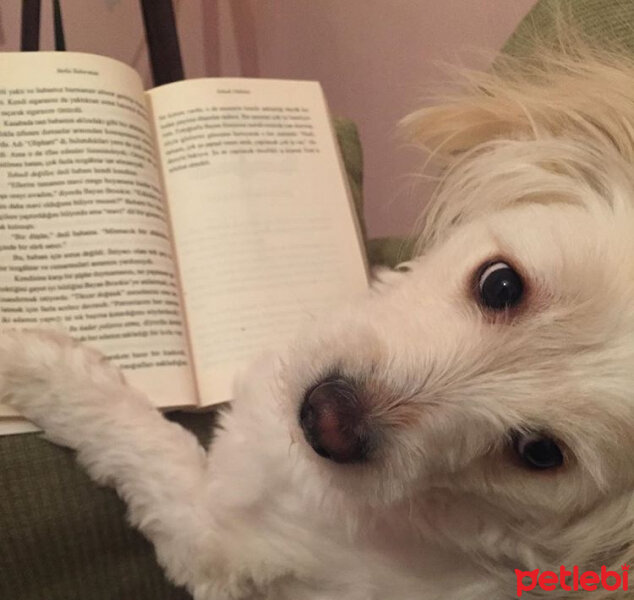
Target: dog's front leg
82, 402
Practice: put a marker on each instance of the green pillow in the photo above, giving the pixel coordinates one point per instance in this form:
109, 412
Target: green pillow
608, 21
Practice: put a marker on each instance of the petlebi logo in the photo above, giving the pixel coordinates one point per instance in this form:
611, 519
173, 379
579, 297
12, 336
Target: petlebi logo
572, 580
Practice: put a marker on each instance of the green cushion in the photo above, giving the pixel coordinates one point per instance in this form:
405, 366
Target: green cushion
352, 156
608, 21
389, 251
64, 538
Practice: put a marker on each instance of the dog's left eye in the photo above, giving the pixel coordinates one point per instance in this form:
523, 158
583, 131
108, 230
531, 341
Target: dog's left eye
500, 287
538, 451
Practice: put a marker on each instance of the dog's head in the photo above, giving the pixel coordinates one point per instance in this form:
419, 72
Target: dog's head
487, 391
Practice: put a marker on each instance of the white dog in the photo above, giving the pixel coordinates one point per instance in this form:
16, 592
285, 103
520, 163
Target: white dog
474, 416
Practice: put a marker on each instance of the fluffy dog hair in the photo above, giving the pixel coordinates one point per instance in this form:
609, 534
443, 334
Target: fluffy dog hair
538, 171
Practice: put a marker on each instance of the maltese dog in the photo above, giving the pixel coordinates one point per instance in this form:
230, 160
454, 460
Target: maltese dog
462, 432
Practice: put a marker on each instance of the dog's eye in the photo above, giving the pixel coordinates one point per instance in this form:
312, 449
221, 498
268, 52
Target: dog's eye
500, 286
538, 451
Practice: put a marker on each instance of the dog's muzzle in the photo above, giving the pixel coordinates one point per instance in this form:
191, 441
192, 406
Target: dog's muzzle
333, 420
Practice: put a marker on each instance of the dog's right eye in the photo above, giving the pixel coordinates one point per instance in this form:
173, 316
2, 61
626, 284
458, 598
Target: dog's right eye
500, 287
538, 451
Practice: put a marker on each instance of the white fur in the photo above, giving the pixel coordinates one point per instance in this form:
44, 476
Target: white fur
539, 171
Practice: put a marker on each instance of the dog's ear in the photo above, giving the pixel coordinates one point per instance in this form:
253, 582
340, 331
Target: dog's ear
463, 122
574, 92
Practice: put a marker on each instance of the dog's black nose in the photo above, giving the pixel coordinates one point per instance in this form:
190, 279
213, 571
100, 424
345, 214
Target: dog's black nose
332, 418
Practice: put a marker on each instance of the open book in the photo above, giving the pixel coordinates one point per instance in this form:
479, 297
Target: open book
178, 230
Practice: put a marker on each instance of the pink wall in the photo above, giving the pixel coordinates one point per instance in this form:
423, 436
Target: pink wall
375, 59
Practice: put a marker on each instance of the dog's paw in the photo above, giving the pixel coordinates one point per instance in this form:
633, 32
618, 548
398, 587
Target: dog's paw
46, 371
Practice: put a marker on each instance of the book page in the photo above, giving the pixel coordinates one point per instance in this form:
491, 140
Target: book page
264, 229
13, 426
84, 239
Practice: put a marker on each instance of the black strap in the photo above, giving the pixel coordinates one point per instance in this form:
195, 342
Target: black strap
160, 32
58, 27
162, 40
30, 32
